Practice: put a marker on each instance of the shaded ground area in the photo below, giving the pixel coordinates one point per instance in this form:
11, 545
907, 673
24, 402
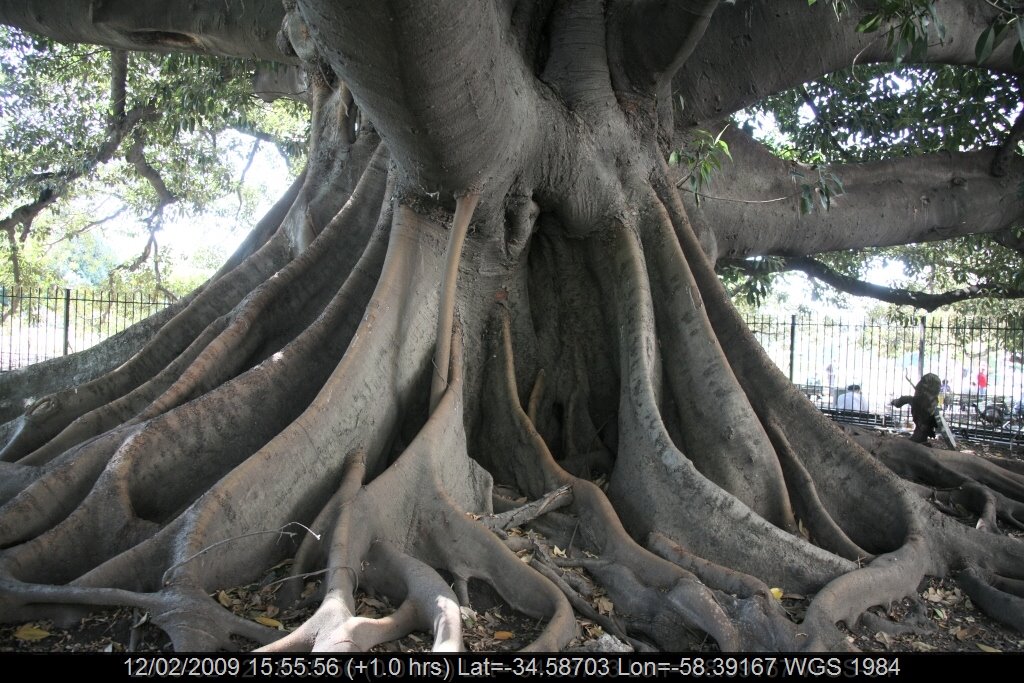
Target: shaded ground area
938, 618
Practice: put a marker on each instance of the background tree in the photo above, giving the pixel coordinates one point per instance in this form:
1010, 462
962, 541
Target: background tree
492, 288
871, 112
93, 137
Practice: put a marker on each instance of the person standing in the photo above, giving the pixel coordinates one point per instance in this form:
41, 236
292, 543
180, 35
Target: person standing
982, 382
945, 396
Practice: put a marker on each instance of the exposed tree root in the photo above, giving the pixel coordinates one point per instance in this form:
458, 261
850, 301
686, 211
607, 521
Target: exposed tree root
327, 399
21, 387
1000, 598
520, 516
952, 478
916, 622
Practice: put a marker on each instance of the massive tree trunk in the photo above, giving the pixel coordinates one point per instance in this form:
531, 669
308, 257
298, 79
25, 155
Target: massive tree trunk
495, 283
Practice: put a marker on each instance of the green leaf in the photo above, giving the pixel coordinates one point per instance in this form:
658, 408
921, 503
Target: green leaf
986, 42
1001, 31
920, 49
673, 159
870, 23
724, 147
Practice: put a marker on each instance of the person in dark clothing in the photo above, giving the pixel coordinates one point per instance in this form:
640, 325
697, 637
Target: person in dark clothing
923, 407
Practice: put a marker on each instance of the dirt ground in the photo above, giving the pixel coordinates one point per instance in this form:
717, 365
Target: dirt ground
939, 618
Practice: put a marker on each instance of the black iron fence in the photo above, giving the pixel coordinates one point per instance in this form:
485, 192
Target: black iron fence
37, 324
980, 362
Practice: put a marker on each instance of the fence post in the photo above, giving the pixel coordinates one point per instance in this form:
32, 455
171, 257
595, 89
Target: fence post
792, 346
920, 349
67, 318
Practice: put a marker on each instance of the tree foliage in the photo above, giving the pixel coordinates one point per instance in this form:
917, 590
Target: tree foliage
89, 135
872, 112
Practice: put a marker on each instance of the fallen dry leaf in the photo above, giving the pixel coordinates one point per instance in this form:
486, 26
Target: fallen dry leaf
603, 605
376, 604
224, 599
884, 639
558, 552
777, 593
987, 648
469, 615
272, 623
503, 635
965, 632
31, 632
922, 647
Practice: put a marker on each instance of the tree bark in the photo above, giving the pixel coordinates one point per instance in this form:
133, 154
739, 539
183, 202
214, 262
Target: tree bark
231, 28
737, 40
497, 282
753, 205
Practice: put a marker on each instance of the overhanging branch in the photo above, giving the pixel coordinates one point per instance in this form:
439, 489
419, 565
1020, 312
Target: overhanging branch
893, 295
229, 28
756, 49
885, 203
137, 157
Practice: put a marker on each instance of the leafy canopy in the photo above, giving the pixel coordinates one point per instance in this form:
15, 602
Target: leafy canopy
180, 123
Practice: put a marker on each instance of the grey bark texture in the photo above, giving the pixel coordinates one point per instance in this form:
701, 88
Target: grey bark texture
314, 403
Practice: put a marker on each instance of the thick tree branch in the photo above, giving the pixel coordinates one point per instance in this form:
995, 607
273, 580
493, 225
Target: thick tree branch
753, 49
15, 253
893, 295
230, 28
137, 156
917, 199
118, 85
650, 39
272, 82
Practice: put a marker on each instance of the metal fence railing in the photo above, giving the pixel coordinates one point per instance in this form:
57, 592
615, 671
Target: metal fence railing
37, 324
980, 361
